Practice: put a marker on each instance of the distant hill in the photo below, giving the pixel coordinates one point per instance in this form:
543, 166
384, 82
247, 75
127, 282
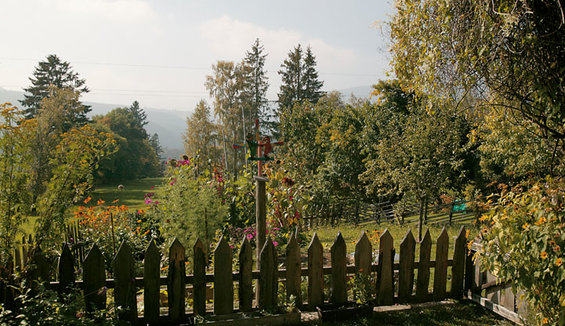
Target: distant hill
359, 92
168, 124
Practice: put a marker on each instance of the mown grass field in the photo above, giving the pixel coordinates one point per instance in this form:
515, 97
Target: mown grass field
131, 195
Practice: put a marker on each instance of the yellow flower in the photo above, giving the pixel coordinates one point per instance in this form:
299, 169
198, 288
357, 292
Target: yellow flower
541, 221
558, 262
543, 255
545, 320
525, 226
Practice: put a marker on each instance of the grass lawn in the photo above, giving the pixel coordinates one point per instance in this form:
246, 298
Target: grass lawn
463, 313
131, 195
351, 234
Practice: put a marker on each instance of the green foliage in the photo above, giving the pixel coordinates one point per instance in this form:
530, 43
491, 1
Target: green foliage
300, 81
189, 205
58, 74
75, 159
201, 137
44, 307
505, 54
15, 162
524, 242
363, 288
137, 156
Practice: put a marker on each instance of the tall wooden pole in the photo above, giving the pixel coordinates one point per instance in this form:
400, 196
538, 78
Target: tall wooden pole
260, 200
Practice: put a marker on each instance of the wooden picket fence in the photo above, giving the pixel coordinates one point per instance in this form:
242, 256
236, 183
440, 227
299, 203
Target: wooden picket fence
395, 281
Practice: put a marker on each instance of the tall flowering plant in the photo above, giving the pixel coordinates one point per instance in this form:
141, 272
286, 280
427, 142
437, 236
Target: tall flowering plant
524, 242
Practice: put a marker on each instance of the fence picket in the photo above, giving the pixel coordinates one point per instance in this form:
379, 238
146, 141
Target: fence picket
363, 255
124, 288
17, 258
223, 279
385, 273
175, 281
245, 276
440, 272
458, 269
293, 270
406, 269
315, 272
151, 284
338, 283
423, 281
94, 278
66, 269
268, 278
199, 283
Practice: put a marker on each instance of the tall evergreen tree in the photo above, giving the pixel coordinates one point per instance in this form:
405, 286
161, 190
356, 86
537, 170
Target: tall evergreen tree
291, 87
312, 84
57, 73
254, 94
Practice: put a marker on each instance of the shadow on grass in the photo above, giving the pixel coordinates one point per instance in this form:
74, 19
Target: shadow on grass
131, 195
463, 313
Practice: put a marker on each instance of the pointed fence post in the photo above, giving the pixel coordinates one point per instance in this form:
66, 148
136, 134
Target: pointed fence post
339, 270
66, 269
176, 281
94, 278
199, 285
293, 270
363, 255
458, 269
423, 281
406, 269
124, 288
440, 273
385, 273
268, 278
245, 276
152, 286
223, 278
315, 272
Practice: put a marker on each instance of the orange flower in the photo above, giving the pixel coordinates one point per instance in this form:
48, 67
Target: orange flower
87, 199
556, 248
100, 202
541, 221
543, 255
115, 201
558, 262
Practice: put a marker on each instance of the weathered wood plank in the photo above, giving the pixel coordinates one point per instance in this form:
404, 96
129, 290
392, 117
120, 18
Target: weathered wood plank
406, 270
199, 284
175, 281
363, 255
245, 276
41, 269
385, 273
94, 279
293, 270
440, 272
268, 278
458, 269
315, 272
151, 287
423, 280
223, 281
66, 269
338, 282
124, 288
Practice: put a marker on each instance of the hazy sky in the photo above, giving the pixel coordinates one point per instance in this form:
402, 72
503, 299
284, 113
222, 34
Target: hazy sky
159, 52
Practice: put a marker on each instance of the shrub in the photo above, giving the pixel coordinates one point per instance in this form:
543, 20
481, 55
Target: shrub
525, 243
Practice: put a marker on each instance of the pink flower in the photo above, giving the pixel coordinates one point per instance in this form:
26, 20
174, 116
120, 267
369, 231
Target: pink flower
152, 187
156, 202
249, 236
148, 201
173, 182
275, 243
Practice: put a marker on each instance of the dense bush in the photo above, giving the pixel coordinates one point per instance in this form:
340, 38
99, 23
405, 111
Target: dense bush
525, 243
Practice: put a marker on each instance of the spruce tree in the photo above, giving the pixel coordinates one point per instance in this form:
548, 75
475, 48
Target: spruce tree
254, 93
291, 87
57, 73
312, 84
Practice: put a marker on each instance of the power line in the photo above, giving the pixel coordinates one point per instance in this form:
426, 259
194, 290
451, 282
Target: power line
116, 64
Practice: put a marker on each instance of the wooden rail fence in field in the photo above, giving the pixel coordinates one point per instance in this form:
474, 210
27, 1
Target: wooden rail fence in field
397, 278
